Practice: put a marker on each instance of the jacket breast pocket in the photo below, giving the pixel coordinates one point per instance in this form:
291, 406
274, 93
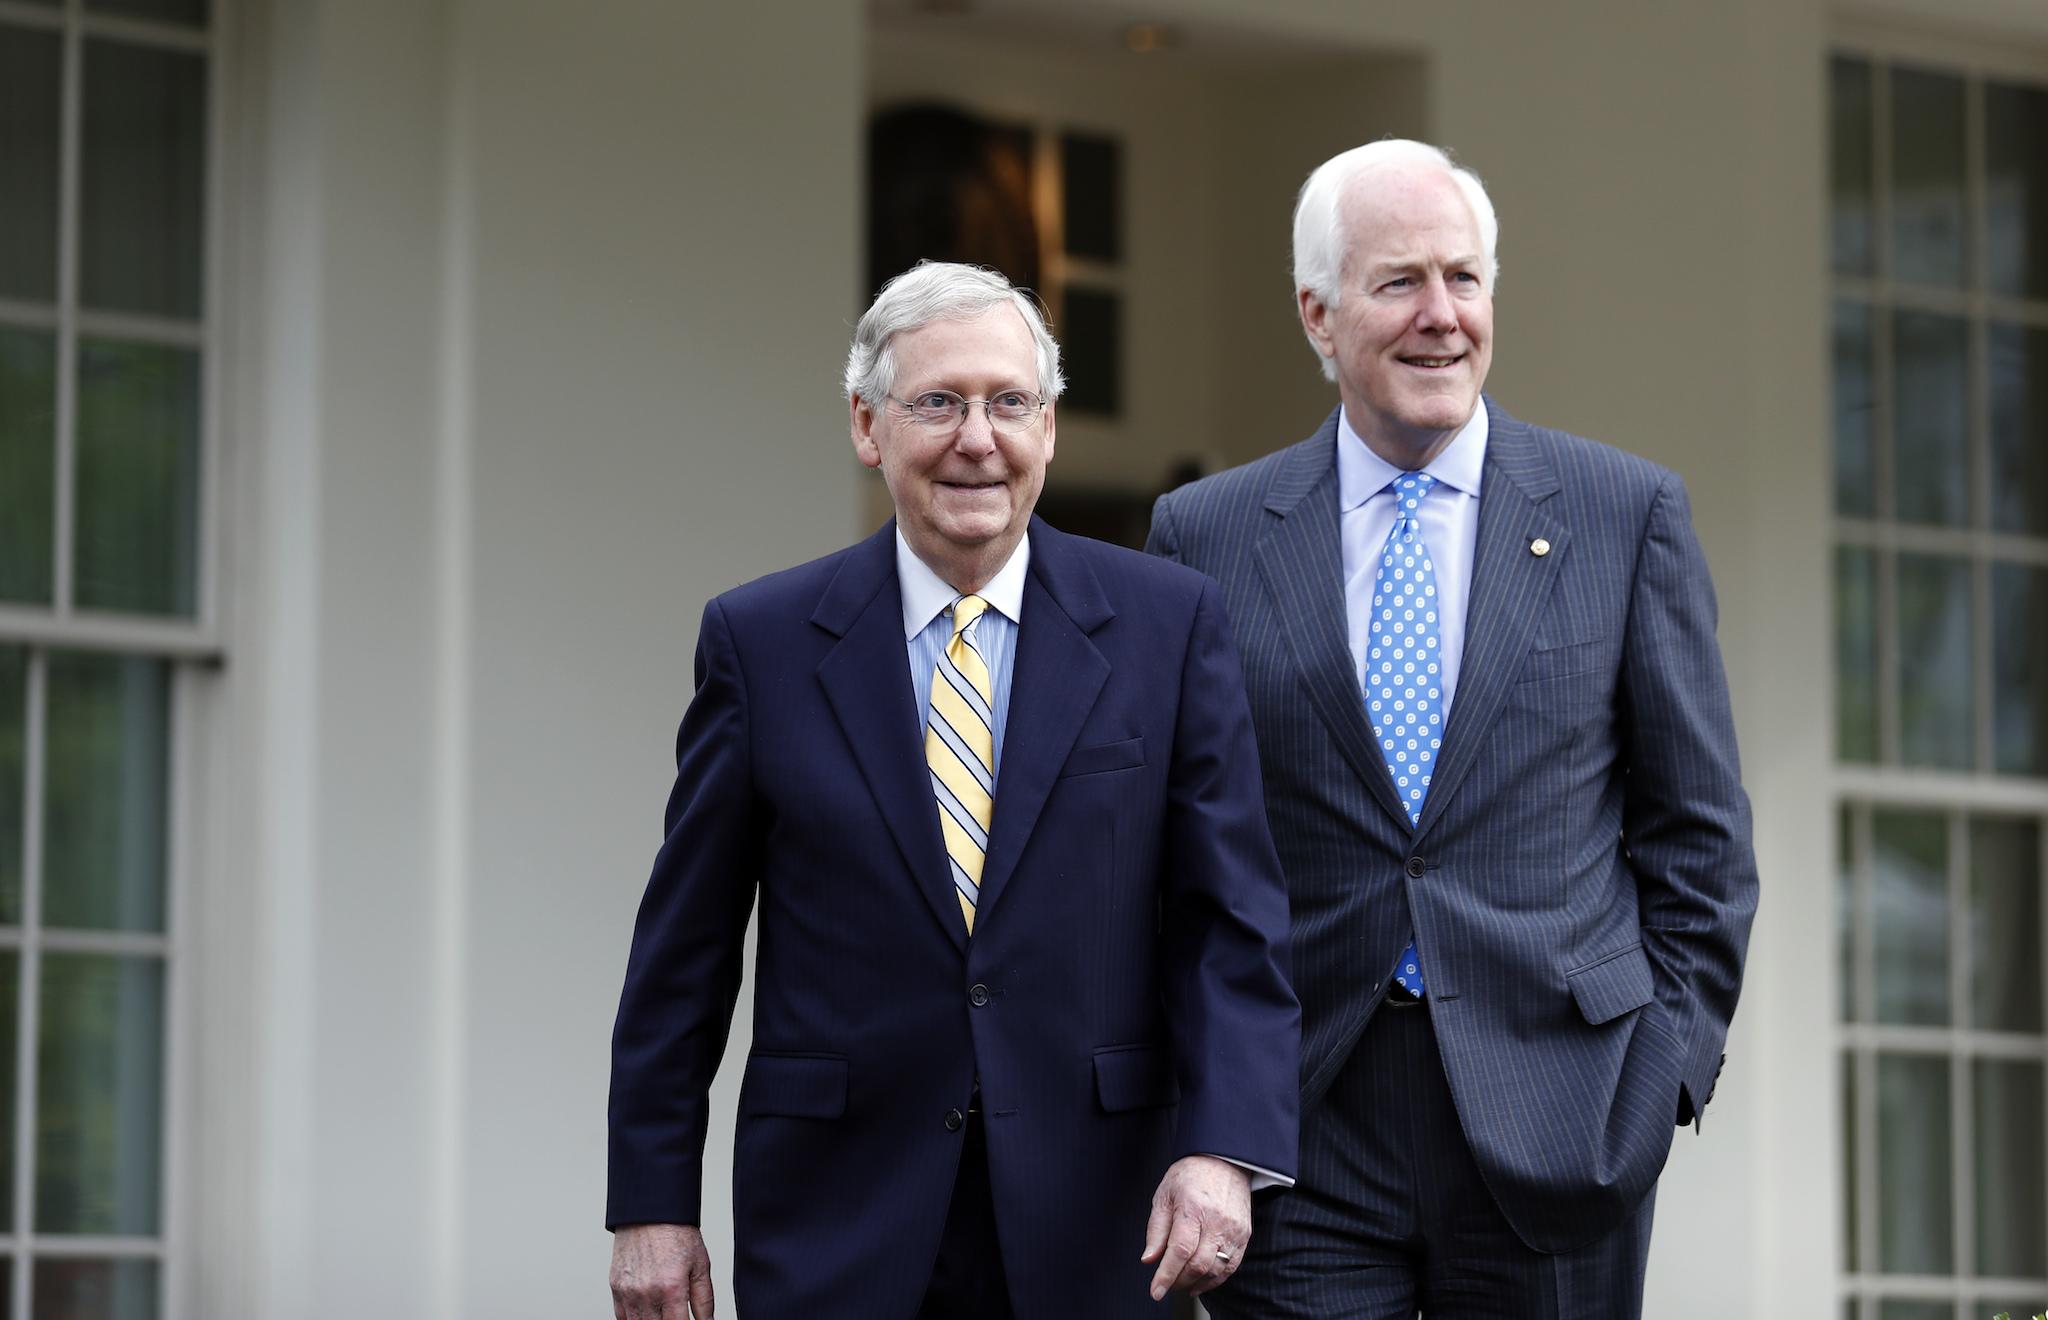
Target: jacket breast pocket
1135, 1077
1101, 758
794, 1085
1564, 661
1616, 984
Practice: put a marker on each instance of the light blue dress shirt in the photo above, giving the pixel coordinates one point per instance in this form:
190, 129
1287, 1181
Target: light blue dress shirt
928, 628
1450, 531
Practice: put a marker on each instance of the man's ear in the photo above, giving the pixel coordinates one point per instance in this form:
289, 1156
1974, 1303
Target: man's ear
864, 446
1315, 319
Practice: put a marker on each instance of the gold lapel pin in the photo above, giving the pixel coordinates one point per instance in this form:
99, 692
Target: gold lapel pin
1539, 547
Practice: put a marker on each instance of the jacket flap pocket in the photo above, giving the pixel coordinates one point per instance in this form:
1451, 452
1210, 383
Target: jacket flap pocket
795, 1085
1135, 1077
1614, 985
1100, 757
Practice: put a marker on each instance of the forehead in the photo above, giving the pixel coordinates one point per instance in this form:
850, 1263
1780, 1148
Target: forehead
1407, 213
994, 345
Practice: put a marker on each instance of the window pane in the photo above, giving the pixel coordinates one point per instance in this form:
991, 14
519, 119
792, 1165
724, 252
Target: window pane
1850, 173
105, 809
1091, 338
169, 11
1931, 462
1909, 916
1849, 1170
99, 1095
1915, 1199
1895, 1309
28, 463
2016, 189
2019, 701
138, 478
96, 1290
31, 70
1927, 177
142, 179
2005, 925
10, 991
2012, 1165
1091, 192
1935, 723
2019, 429
1855, 397
1855, 654
1845, 914
13, 782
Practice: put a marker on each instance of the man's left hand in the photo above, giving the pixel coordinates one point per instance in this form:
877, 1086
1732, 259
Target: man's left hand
1201, 1221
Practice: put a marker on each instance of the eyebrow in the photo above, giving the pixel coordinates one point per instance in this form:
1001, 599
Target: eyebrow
1397, 267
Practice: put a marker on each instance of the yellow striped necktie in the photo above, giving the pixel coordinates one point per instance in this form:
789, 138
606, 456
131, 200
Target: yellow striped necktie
960, 749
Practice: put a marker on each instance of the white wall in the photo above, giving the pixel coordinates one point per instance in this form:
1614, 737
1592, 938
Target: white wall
538, 313
541, 333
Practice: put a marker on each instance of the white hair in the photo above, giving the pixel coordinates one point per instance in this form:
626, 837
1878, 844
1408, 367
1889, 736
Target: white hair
940, 291
1320, 240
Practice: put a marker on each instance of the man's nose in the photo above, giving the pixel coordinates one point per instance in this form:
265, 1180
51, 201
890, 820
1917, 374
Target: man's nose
977, 433
1437, 312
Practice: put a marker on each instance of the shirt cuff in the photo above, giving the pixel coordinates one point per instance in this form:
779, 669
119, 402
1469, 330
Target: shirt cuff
1261, 1178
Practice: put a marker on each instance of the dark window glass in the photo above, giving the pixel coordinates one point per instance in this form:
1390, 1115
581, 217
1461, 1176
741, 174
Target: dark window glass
1855, 402
31, 73
1851, 172
1092, 352
28, 464
2016, 189
2019, 428
1927, 178
137, 537
143, 179
1931, 452
1091, 188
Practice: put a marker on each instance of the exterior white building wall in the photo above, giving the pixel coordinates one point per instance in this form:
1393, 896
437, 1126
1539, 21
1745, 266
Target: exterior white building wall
540, 345
539, 309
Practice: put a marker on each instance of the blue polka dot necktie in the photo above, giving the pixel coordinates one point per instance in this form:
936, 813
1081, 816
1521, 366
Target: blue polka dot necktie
1403, 678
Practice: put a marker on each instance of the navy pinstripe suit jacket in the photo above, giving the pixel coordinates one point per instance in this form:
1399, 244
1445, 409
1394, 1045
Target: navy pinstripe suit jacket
1123, 1002
1581, 882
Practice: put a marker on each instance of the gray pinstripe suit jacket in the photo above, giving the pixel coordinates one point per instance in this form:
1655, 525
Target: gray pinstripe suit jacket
1581, 883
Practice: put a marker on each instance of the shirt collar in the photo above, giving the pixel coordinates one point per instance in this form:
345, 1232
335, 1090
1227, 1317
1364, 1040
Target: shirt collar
926, 595
1362, 474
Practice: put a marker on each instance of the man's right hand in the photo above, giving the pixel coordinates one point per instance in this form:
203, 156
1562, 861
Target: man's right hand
660, 1272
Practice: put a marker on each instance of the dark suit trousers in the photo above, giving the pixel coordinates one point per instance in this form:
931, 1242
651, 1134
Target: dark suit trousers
967, 1279
1390, 1215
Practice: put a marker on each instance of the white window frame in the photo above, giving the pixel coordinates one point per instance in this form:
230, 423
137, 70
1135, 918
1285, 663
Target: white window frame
1960, 796
191, 647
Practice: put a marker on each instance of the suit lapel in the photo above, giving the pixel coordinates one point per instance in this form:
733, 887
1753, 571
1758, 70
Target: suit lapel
1510, 586
866, 678
1302, 560
1059, 673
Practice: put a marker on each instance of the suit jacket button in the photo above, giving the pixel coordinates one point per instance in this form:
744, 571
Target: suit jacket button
1416, 868
978, 996
954, 1120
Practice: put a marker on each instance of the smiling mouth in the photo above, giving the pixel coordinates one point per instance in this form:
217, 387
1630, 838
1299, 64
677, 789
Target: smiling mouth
1434, 363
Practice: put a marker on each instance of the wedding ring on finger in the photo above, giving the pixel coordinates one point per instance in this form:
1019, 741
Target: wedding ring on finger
1223, 1254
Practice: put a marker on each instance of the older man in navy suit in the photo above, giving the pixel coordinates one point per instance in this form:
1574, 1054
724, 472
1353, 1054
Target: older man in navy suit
1501, 770
1023, 1036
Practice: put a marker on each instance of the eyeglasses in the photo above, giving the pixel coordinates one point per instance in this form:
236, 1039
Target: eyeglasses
942, 410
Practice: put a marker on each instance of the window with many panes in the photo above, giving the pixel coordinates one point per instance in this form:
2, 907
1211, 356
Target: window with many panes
105, 148
1939, 237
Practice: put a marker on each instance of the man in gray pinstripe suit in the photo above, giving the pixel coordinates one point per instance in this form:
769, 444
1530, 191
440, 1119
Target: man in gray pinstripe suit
1501, 771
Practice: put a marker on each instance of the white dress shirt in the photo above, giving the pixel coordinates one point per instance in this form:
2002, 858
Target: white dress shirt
1450, 531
